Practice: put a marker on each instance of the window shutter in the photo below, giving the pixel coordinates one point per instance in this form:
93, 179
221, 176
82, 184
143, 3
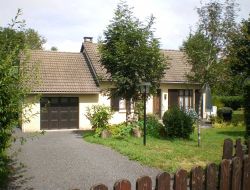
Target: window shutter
114, 101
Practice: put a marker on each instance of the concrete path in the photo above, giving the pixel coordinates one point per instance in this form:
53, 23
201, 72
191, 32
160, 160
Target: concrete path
63, 160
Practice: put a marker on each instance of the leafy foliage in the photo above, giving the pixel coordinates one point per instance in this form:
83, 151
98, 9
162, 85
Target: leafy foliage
33, 39
154, 127
120, 130
234, 102
99, 116
246, 96
13, 77
225, 113
178, 123
206, 48
53, 48
131, 54
139, 109
238, 57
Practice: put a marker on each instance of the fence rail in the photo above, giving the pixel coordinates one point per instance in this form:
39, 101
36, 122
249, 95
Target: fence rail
233, 173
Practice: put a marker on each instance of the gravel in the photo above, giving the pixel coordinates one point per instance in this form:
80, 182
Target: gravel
63, 160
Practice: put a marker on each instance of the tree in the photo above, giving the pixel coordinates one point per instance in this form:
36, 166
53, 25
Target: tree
238, 60
206, 48
13, 76
131, 54
33, 40
238, 57
53, 48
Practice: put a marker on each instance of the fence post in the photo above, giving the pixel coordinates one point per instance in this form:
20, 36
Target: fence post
180, 180
227, 149
163, 181
99, 187
144, 183
225, 175
246, 174
239, 149
236, 173
196, 181
211, 177
122, 185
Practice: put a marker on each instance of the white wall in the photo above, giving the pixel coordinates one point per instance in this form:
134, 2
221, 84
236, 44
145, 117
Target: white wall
119, 116
86, 101
31, 114
164, 93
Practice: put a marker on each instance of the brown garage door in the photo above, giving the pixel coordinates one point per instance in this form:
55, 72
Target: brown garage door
59, 113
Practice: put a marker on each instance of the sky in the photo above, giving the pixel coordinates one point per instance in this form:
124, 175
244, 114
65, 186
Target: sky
64, 23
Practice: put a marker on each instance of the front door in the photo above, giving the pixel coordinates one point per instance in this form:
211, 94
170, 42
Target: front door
157, 103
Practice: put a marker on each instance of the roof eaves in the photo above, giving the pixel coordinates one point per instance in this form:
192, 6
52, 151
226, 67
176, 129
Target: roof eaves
63, 92
179, 82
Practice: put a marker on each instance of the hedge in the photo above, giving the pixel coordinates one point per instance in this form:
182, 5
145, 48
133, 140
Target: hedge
233, 102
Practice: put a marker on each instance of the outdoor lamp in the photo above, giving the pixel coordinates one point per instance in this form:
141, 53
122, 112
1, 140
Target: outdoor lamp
144, 88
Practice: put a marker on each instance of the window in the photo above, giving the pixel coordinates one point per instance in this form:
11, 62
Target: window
185, 99
118, 104
114, 103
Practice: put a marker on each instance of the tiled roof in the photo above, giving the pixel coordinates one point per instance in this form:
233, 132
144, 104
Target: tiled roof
175, 73
63, 72
178, 67
94, 56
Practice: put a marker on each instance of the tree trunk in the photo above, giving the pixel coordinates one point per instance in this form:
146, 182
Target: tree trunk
128, 110
199, 118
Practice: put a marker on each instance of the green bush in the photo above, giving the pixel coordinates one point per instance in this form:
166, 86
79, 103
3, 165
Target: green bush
120, 130
225, 113
154, 127
237, 117
217, 101
178, 123
99, 117
139, 109
234, 102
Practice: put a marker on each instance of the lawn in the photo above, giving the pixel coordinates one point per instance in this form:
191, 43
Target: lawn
170, 155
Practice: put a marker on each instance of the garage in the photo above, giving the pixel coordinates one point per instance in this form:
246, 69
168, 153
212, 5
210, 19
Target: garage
59, 113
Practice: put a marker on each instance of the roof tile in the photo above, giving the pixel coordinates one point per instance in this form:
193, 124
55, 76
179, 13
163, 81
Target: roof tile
63, 72
176, 73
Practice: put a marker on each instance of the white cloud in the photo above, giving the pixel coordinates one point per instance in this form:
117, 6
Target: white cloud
64, 23
65, 45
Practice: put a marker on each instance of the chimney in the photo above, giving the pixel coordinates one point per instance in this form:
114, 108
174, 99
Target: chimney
88, 39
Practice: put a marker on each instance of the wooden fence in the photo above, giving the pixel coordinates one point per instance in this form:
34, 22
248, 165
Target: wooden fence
233, 173
238, 150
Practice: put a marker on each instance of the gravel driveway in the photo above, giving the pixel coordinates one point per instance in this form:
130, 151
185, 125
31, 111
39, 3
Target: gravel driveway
63, 160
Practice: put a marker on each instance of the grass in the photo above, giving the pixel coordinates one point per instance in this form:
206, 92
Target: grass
171, 155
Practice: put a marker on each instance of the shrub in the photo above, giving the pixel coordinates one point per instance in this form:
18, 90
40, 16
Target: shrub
233, 102
178, 123
120, 130
153, 125
225, 113
192, 113
226, 125
139, 109
99, 116
217, 101
237, 117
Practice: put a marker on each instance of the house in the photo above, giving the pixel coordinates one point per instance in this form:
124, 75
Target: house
71, 82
